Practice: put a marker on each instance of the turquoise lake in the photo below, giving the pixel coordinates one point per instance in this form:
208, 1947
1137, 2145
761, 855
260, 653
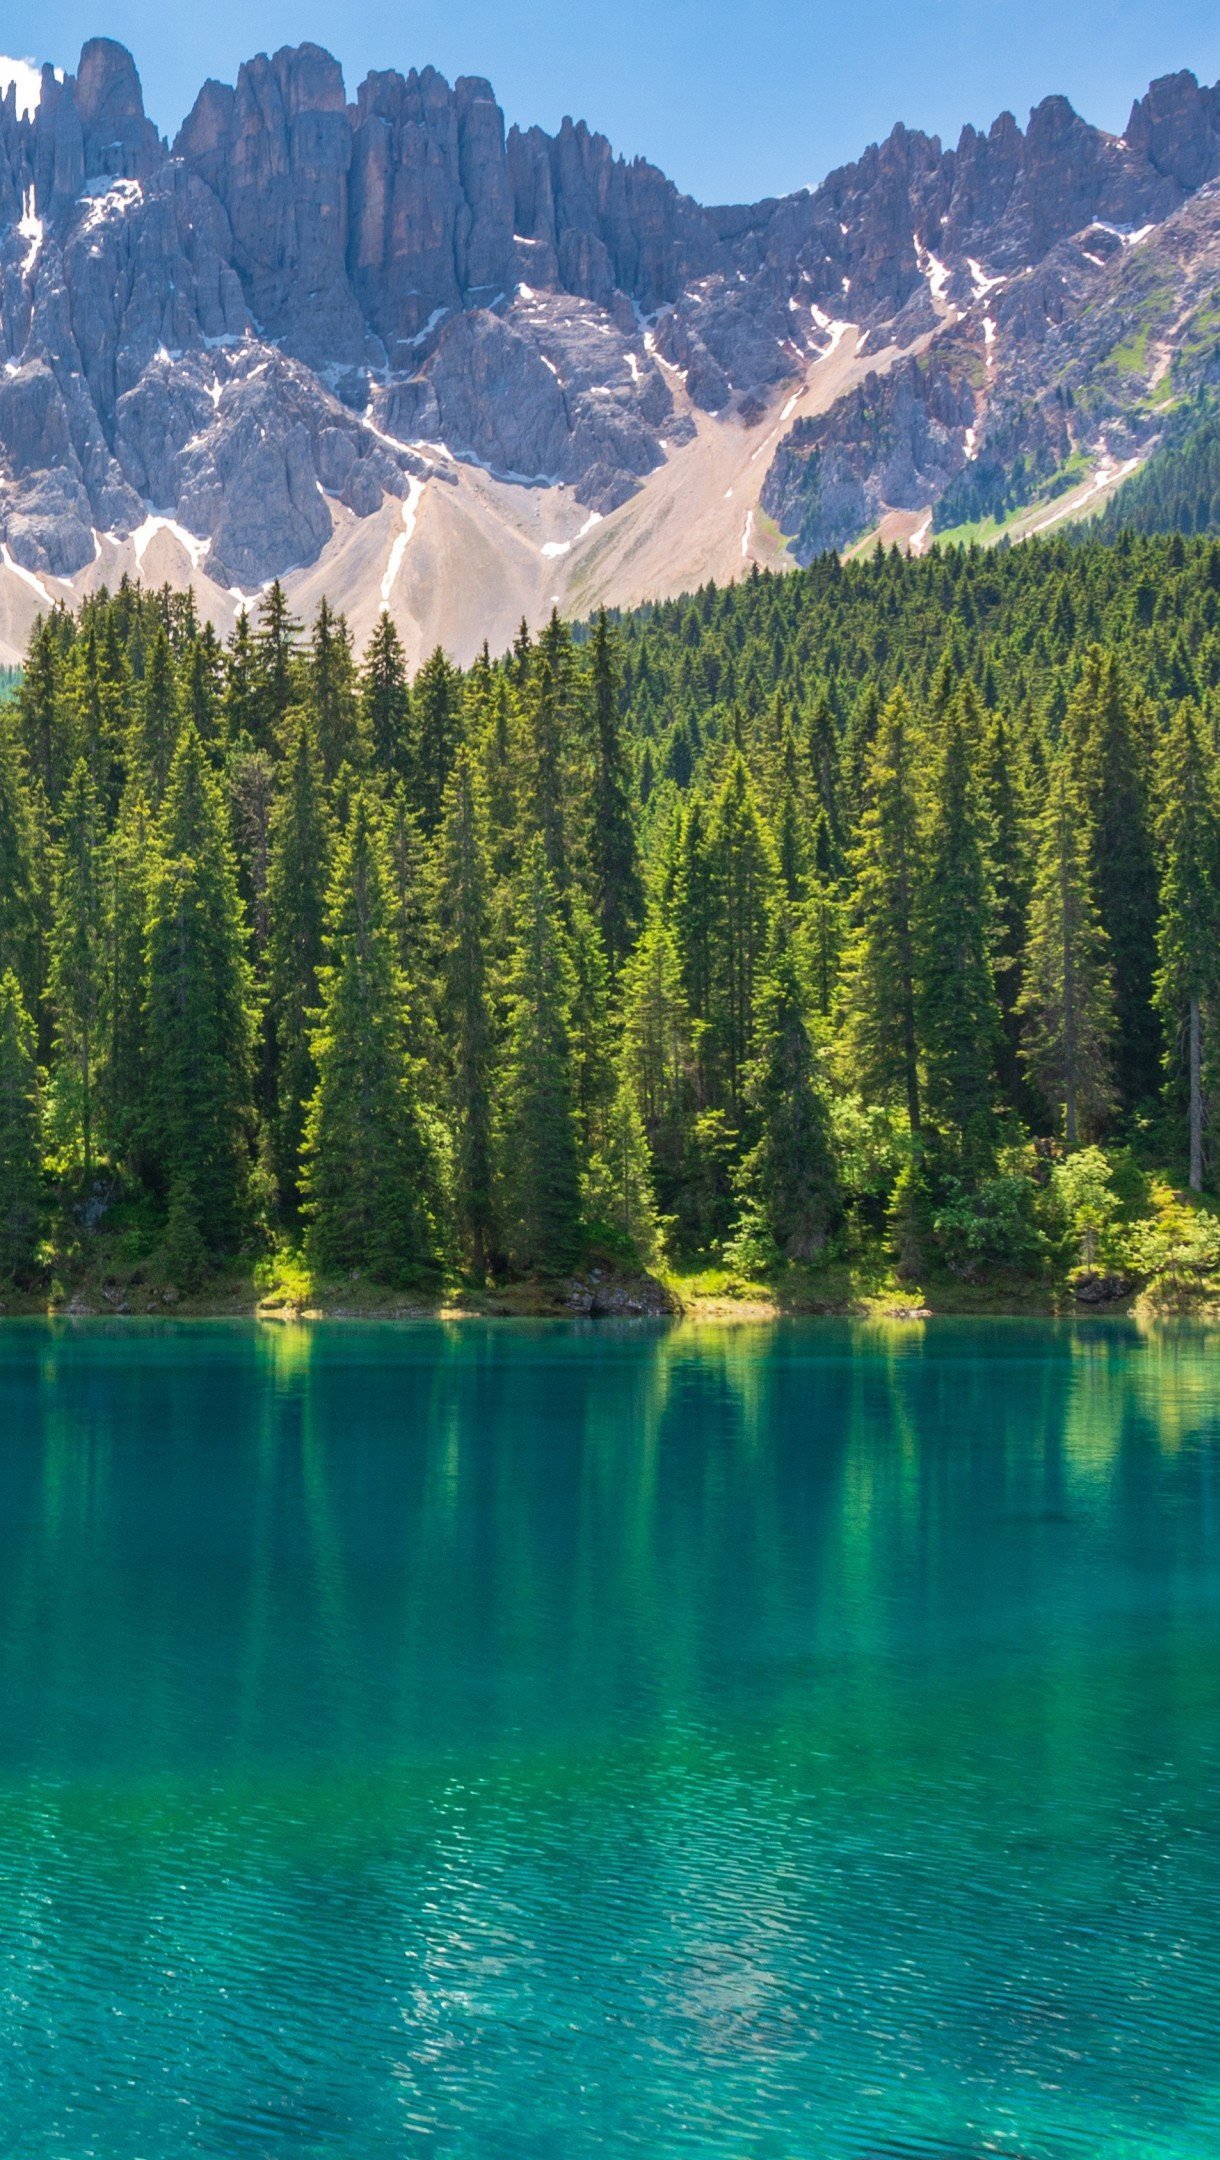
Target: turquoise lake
547, 1741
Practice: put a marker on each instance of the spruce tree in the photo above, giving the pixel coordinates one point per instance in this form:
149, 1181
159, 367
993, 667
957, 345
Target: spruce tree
825, 764
297, 882
200, 1011
879, 986
618, 1190
278, 673
370, 1173
158, 717
385, 701
77, 971
788, 1178
657, 1056
437, 710
1098, 726
20, 884
334, 696
202, 676
1008, 865
125, 1078
40, 707
546, 735
539, 1173
957, 1013
744, 884
614, 875
461, 881
1067, 998
242, 701
20, 1195
1188, 935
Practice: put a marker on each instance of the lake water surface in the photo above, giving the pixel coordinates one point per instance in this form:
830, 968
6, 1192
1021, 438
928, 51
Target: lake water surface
542, 1742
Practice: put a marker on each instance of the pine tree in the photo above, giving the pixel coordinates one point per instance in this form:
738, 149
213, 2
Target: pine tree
546, 734
657, 1057
124, 1076
78, 968
589, 1026
202, 675
334, 697
825, 765
1067, 998
242, 702
1008, 866
539, 1175
385, 701
692, 902
200, 1011
461, 880
1098, 727
20, 1196
39, 702
788, 1179
879, 995
614, 874
20, 893
957, 1013
297, 882
1188, 937
278, 674
618, 1192
158, 717
437, 708
744, 883
370, 1173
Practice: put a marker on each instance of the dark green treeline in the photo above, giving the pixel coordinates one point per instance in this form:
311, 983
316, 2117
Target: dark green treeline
757, 914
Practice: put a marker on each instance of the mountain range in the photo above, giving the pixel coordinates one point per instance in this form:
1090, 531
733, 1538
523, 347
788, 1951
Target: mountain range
392, 351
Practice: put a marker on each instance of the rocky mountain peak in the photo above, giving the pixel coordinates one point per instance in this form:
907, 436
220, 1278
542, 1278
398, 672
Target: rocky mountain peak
278, 335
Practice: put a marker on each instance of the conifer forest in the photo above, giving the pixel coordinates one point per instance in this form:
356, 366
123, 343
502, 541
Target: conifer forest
849, 927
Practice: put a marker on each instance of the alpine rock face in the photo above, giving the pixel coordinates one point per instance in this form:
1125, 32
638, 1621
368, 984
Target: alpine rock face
389, 351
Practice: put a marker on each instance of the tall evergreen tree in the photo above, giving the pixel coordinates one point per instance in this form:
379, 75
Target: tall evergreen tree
539, 1174
1008, 865
1067, 998
125, 1075
278, 673
20, 884
546, 735
40, 714
20, 1195
78, 968
437, 708
957, 1014
158, 717
200, 1013
462, 879
614, 875
788, 1177
297, 883
334, 695
370, 1172
744, 884
1098, 726
1188, 937
618, 1190
385, 700
879, 988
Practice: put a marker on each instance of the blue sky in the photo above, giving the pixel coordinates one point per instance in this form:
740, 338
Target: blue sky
734, 100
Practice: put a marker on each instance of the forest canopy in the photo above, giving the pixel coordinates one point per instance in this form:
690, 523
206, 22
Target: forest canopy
876, 902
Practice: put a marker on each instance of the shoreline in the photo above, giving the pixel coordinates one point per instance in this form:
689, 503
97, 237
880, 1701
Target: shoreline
718, 1311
